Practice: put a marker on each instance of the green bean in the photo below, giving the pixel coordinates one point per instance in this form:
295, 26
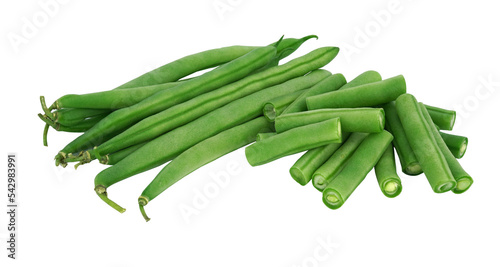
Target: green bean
463, 179
407, 158
183, 113
304, 168
74, 116
366, 77
327, 172
166, 147
456, 143
88, 156
200, 154
367, 120
262, 136
424, 145
367, 95
294, 141
332, 83
125, 117
443, 118
387, 176
275, 107
76, 128
356, 168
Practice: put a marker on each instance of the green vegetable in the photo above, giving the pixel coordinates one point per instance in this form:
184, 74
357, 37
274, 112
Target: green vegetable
423, 143
366, 95
262, 136
443, 118
74, 116
200, 154
356, 168
387, 176
327, 172
276, 106
293, 141
407, 158
463, 179
368, 120
364, 78
166, 147
456, 143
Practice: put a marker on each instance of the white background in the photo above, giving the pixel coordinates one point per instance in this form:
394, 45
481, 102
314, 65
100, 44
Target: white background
261, 217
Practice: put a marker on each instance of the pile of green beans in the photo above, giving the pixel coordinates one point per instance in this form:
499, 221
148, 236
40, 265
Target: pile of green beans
246, 97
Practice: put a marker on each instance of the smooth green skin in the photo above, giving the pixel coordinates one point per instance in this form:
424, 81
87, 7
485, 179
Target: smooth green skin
423, 143
88, 156
276, 106
81, 127
387, 176
262, 136
366, 95
183, 113
407, 158
367, 120
304, 168
203, 153
331, 83
166, 147
327, 172
456, 144
366, 77
356, 168
74, 116
123, 118
463, 179
443, 118
294, 141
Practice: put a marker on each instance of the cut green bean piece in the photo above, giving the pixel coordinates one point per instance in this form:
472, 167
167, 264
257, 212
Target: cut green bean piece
367, 95
456, 143
262, 136
304, 168
463, 179
407, 158
443, 118
294, 141
367, 120
387, 176
202, 153
424, 145
327, 172
275, 107
366, 77
356, 168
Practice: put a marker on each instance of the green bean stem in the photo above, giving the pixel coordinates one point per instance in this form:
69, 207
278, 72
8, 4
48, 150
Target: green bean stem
387, 176
456, 143
202, 153
330, 168
262, 136
366, 95
275, 107
443, 118
167, 146
294, 141
407, 158
356, 168
463, 179
368, 120
45, 132
423, 143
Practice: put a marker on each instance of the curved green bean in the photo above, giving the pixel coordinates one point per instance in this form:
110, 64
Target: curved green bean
356, 168
443, 118
275, 107
456, 143
294, 141
367, 95
423, 143
200, 154
387, 176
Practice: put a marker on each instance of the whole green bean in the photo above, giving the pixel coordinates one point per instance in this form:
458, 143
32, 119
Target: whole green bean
262, 136
125, 117
424, 145
356, 168
367, 95
304, 168
294, 141
166, 147
463, 179
275, 107
456, 143
74, 116
367, 120
183, 113
327, 172
407, 158
443, 118
200, 154
387, 176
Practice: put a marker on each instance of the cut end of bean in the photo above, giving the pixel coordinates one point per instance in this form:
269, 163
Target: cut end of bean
319, 182
332, 199
463, 185
101, 192
445, 187
463, 148
392, 188
413, 169
298, 176
269, 112
143, 201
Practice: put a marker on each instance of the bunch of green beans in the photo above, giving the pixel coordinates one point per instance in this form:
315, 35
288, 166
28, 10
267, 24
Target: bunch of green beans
246, 97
